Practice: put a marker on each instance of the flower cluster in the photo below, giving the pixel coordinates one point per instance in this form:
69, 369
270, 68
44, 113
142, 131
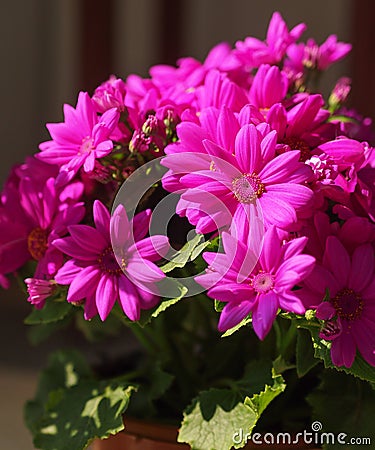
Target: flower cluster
242, 135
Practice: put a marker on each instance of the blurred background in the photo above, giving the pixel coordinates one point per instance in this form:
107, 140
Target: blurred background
51, 49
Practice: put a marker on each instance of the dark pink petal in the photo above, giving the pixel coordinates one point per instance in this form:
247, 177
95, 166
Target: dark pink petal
220, 262
89, 162
208, 279
248, 226
143, 271
84, 284
233, 313
85, 113
290, 302
364, 335
141, 223
73, 191
129, 298
280, 169
300, 265
90, 307
69, 247
277, 212
325, 311
103, 149
149, 296
222, 159
88, 238
241, 260
264, 313
362, 272
110, 119
227, 127
337, 260
68, 216
343, 350
232, 292
295, 194
64, 176
310, 299
63, 134
178, 162
346, 150
68, 272
120, 228
369, 291
152, 248
101, 217
271, 251
277, 118
207, 181
301, 116
268, 146
106, 295
248, 149
294, 247
321, 279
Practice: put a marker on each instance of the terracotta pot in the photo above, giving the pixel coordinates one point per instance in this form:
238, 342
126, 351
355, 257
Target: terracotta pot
140, 435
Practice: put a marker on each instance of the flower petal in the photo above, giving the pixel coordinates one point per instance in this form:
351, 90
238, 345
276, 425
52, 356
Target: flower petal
337, 260
101, 217
84, 284
264, 313
152, 248
248, 148
362, 272
106, 294
129, 298
88, 238
233, 313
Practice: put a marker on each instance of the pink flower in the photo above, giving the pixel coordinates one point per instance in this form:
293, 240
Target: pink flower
233, 182
300, 127
257, 287
34, 215
98, 277
39, 291
110, 94
313, 56
81, 139
269, 86
253, 52
349, 314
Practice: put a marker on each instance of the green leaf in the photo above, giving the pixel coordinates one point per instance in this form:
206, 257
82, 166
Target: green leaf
166, 303
40, 333
148, 315
259, 402
243, 323
305, 357
153, 384
214, 418
72, 407
75, 416
64, 369
218, 417
52, 311
343, 404
188, 253
360, 368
